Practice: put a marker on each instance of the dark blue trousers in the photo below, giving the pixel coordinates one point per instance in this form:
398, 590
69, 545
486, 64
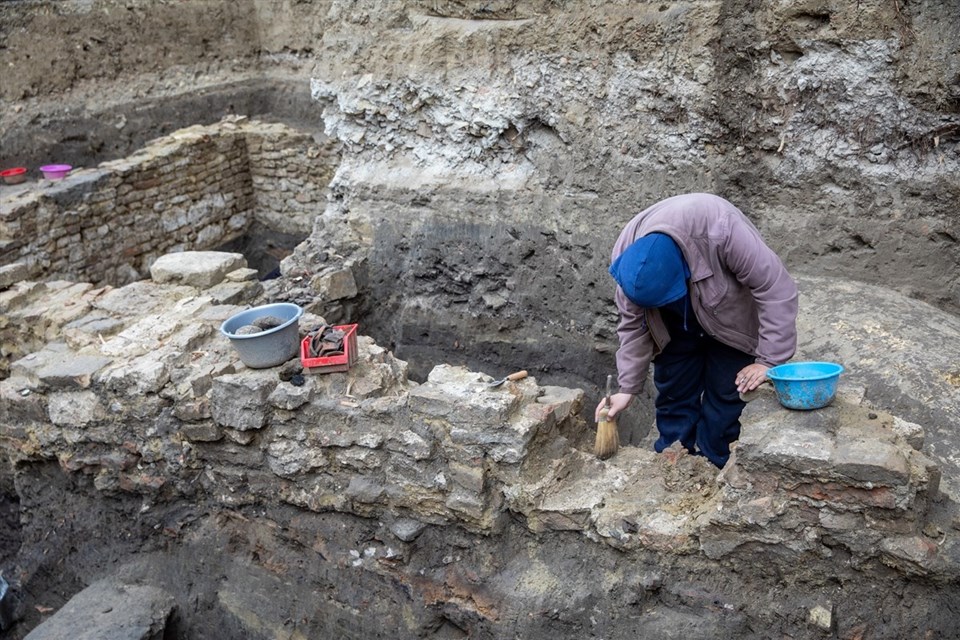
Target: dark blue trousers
697, 400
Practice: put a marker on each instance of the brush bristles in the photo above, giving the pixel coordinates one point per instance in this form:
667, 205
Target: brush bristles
608, 438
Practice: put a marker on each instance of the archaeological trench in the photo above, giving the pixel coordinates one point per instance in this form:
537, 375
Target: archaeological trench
450, 176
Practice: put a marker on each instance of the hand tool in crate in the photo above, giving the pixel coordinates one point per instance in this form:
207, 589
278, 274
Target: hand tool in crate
327, 349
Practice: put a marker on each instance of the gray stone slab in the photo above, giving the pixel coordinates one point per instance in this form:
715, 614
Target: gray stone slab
13, 273
200, 269
234, 292
769, 443
406, 529
90, 329
109, 610
240, 400
871, 461
59, 368
335, 285
140, 298
563, 400
73, 408
242, 275
464, 399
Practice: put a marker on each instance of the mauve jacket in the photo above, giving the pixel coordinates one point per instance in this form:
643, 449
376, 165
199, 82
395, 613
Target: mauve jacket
739, 289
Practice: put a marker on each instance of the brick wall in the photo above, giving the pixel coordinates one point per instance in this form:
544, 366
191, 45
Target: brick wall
290, 172
196, 189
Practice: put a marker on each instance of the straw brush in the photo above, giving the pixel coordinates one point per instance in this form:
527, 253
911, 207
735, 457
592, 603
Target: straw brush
608, 439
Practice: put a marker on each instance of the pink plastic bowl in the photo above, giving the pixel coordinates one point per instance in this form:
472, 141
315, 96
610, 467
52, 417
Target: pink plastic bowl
14, 176
55, 171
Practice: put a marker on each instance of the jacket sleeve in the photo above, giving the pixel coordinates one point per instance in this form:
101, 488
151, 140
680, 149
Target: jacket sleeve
636, 346
759, 269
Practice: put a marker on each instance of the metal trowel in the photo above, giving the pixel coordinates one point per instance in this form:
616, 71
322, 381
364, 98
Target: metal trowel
513, 377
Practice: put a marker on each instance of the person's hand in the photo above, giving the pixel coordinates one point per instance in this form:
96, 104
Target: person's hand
618, 402
751, 377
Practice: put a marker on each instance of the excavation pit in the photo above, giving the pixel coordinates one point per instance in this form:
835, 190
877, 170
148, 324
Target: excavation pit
245, 478
458, 172
389, 455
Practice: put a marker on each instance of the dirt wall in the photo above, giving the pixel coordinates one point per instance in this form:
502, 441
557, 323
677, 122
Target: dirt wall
88, 81
57, 47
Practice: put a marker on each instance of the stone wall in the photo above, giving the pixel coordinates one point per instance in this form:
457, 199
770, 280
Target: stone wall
137, 397
290, 171
198, 188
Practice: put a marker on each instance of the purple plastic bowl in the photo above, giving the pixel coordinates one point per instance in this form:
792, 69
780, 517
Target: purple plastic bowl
55, 171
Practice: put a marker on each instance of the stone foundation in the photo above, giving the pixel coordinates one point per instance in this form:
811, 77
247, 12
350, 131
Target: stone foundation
137, 397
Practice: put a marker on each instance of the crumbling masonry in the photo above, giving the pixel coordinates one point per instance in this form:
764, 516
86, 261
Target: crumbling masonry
137, 395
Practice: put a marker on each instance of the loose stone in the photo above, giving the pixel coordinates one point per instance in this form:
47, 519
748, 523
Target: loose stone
267, 322
248, 329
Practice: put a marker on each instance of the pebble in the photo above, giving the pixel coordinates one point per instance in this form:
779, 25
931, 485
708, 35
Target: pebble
267, 322
247, 329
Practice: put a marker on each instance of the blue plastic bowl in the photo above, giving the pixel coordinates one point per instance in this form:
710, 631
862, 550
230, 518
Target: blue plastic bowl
271, 347
805, 385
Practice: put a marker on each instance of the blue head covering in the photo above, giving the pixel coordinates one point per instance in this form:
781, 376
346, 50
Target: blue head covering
652, 271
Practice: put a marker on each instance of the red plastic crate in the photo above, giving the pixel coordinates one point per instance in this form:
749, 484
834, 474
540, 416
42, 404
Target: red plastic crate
331, 364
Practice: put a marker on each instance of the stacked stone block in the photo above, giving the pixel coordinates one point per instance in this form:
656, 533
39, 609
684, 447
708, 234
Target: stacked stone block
844, 477
136, 389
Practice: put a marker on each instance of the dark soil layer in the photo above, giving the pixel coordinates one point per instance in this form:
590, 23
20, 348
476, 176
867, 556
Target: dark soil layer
263, 248
257, 572
9, 520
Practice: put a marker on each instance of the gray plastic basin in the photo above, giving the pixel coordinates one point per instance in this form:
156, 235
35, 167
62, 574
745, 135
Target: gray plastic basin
271, 347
